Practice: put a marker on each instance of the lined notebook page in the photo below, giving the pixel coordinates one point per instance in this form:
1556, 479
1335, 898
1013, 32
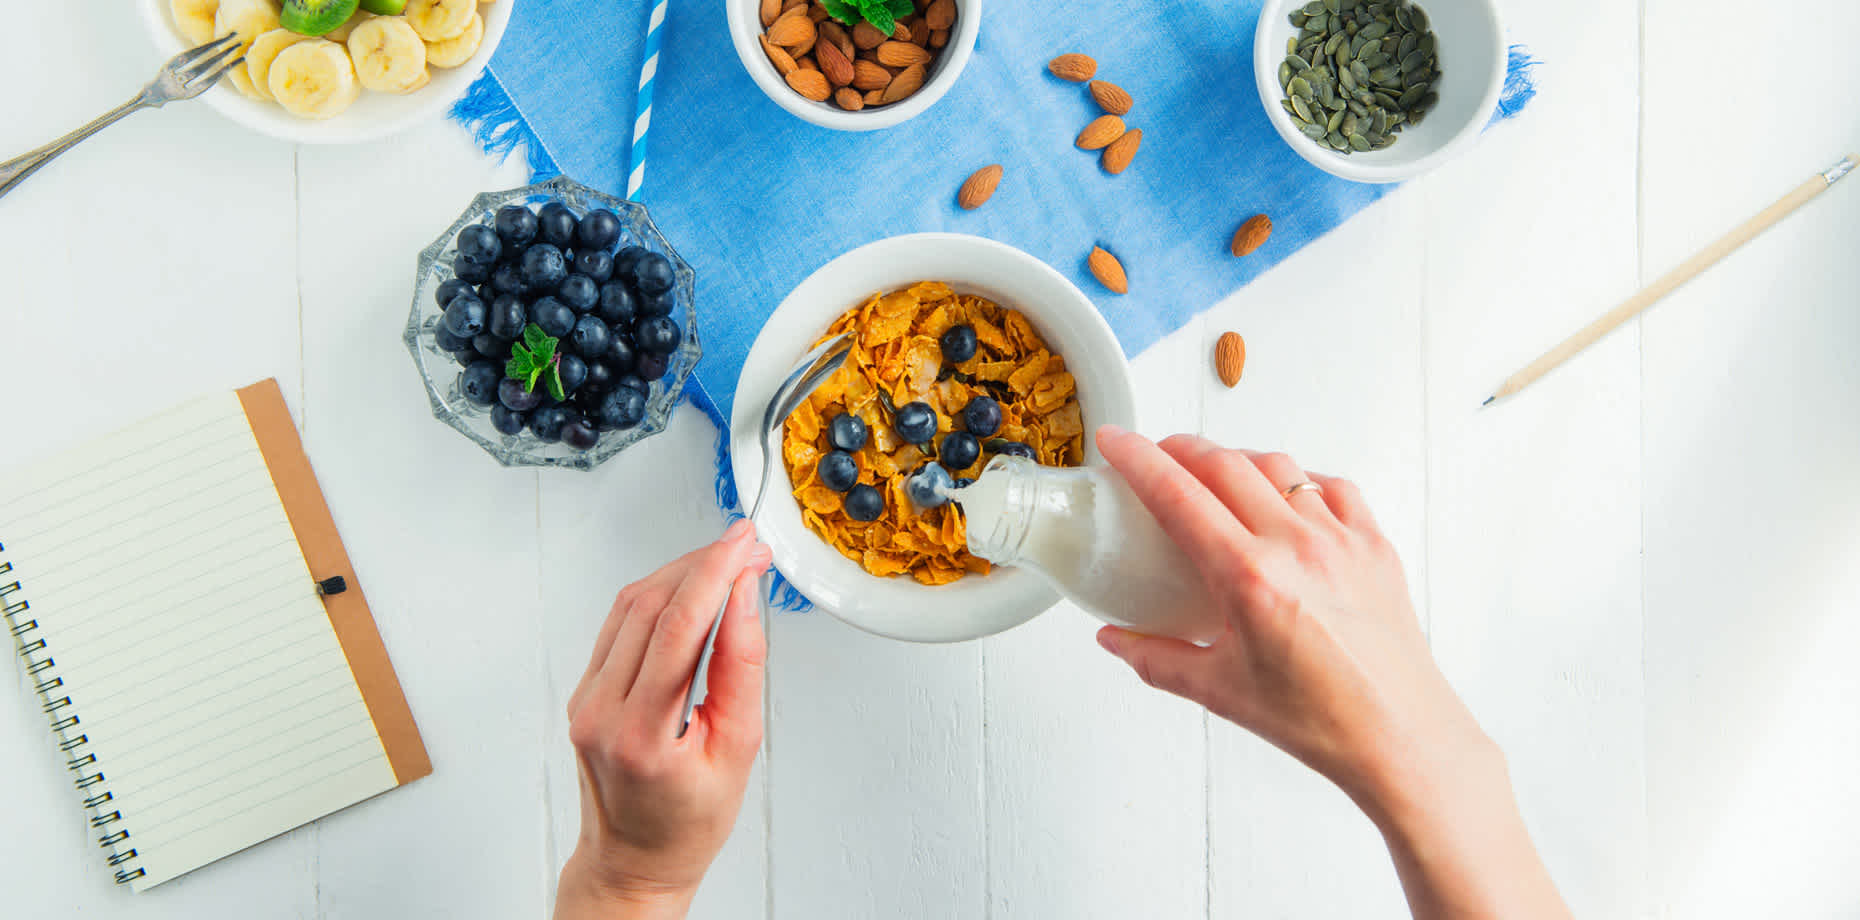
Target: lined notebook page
170, 590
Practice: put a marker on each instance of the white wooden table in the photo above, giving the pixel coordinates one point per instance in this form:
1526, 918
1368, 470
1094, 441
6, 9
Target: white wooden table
1641, 574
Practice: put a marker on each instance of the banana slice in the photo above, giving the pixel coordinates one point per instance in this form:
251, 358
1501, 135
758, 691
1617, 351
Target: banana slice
455, 51
313, 79
341, 33
389, 56
249, 18
425, 77
195, 19
258, 59
438, 20
242, 82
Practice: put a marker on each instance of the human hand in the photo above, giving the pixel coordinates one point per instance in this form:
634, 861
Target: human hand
656, 808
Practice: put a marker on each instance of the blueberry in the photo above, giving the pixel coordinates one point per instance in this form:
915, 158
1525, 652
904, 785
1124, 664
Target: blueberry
547, 423
508, 317
556, 224
652, 366
623, 407
657, 335
508, 279
471, 271
466, 315
838, 471
579, 292
958, 344
864, 503
596, 265
572, 371
621, 354
512, 395
449, 343
653, 273
490, 346
468, 357
486, 291
568, 258
591, 338
915, 422
963, 482
618, 307
1014, 449
847, 432
479, 381
659, 304
553, 316
587, 401
516, 225
982, 417
960, 450
450, 288
601, 378
543, 267
599, 230
580, 435
625, 260
479, 243
507, 421
929, 486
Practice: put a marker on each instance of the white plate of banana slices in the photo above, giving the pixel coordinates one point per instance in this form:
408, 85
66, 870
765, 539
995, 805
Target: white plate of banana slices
336, 71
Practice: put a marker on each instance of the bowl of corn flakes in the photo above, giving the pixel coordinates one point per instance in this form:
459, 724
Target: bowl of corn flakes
1040, 352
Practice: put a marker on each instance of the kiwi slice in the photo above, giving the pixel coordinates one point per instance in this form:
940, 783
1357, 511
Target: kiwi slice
315, 17
385, 7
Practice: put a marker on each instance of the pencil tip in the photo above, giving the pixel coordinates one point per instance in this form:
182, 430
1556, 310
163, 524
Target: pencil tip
1488, 401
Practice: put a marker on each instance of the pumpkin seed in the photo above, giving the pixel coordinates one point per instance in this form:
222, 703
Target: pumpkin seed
1375, 29
1379, 122
1297, 63
1285, 77
1408, 44
1358, 142
1347, 78
1299, 87
1417, 19
1301, 109
1404, 18
1358, 109
1415, 61
1349, 125
1335, 122
1318, 20
1299, 19
1336, 140
1314, 8
1315, 132
1332, 5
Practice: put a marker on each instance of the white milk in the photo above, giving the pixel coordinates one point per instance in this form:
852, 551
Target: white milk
1092, 539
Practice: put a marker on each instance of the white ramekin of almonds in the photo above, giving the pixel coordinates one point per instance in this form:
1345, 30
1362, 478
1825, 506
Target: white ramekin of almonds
854, 65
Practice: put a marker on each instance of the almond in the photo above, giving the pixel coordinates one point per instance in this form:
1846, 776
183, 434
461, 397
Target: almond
979, 187
1229, 357
818, 13
1252, 235
939, 15
1075, 67
901, 31
1117, 156
793, 5
804, 47
874, 97
848, 98
1108, 270
836, 33
939, 38
867, 75
1101, 132
833, 63
908, 81
811, 84
920, 33
865, 36
1111, 97
901, 54
771, 10
807, 63
783, 61
792, 29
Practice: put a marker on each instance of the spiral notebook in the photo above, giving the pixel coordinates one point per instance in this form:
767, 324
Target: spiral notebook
188, 617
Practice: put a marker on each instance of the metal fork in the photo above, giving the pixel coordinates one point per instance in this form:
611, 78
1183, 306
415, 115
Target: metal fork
187, 75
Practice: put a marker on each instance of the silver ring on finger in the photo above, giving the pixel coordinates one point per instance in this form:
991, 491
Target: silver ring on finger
1297, 487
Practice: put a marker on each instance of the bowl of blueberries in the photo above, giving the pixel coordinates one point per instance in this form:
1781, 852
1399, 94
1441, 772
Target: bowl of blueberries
553, 325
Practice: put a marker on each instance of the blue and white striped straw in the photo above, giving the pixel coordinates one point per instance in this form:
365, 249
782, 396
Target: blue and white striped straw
655, 30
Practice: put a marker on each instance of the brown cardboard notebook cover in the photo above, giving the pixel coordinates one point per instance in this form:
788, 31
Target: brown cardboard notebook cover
322, 548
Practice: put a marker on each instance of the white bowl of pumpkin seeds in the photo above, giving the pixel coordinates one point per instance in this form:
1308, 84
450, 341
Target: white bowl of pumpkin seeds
1379, 90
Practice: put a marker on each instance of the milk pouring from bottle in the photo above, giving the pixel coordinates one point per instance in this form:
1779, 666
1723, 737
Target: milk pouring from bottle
1093, 540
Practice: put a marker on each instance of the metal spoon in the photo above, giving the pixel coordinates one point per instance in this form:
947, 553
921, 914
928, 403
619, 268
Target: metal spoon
813, 369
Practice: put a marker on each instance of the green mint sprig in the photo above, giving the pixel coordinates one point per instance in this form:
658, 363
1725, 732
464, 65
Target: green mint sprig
534, 359
882, 14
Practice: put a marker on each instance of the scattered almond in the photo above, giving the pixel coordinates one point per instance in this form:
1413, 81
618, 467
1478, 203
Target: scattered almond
867, 75
1101, 132
1111, 97
848, 98
771, 10
866, 36
1252, 235
940, 14
908, 81
833, 63
1075, 67
1117, 156
811, 84
1229, 357
1108, 270
901, 54
792, 29
979, 187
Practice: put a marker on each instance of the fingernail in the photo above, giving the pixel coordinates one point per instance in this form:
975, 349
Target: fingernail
736, 531
1109, 639
760, 557
1110, 432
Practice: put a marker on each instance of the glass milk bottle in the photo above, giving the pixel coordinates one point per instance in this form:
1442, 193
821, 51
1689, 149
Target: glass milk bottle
1092, 539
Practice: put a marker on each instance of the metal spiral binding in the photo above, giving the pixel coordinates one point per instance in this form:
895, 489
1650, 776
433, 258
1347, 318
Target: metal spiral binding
46, 682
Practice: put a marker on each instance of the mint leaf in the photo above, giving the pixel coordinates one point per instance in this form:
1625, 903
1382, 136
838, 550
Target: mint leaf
900, 9
534, 336
879, 15
515, 368
843, 10
528, 364
555, 381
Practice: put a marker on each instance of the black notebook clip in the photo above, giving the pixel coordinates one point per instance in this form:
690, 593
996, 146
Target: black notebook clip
331, 586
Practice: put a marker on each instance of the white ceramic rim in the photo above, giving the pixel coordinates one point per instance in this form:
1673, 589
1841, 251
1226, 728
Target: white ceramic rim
746, 25
1268, 52
892, 607
280, 124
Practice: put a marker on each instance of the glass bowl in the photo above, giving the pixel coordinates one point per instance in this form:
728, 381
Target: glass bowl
441, 372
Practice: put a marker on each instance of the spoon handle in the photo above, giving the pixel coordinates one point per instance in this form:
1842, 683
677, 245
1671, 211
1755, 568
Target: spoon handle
710, 642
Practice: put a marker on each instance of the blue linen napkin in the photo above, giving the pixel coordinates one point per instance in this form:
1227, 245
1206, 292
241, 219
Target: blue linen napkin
755, 198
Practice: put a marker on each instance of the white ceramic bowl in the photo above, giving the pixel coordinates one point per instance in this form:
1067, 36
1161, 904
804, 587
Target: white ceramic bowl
373, 116
746, 30
899, 607
1472, 59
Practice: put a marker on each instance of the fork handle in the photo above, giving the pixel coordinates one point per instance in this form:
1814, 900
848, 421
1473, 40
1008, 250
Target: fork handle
15, 171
